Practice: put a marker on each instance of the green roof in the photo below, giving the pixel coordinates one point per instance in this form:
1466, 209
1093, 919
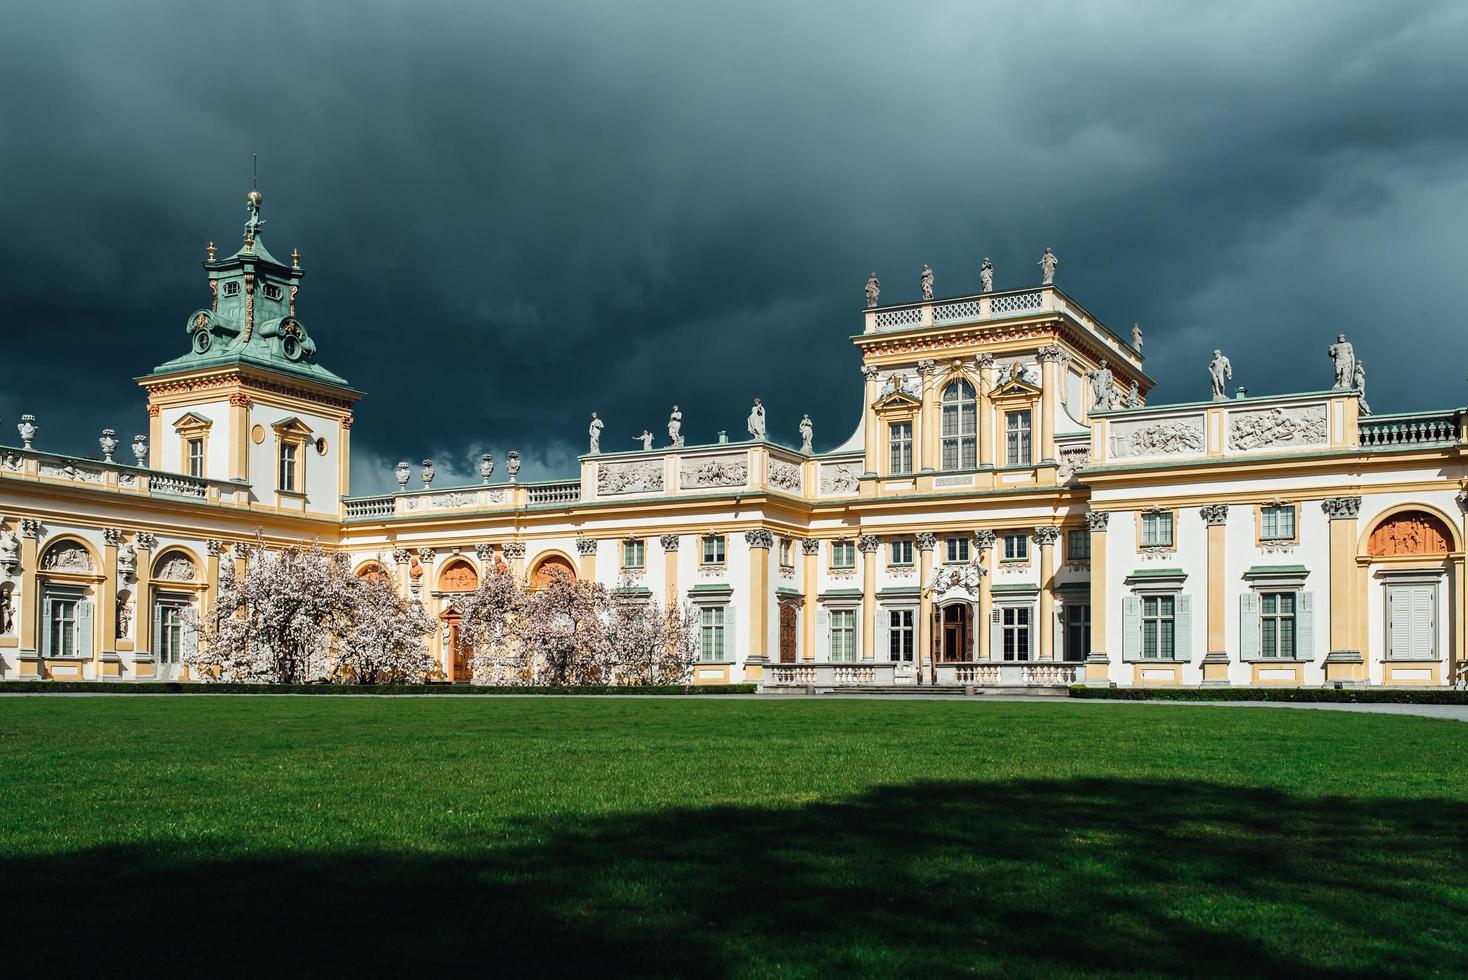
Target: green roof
1158, 573
1277, 570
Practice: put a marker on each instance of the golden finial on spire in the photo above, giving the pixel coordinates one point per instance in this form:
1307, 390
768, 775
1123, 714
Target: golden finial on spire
295, 258
211, 251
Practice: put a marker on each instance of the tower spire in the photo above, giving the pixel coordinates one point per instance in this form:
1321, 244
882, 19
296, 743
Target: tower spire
253, 200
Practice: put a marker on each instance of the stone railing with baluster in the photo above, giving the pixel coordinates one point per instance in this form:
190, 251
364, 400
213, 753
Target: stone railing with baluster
1030, 673
1410, 429
563, 492
363, 507
118, 477
861, 673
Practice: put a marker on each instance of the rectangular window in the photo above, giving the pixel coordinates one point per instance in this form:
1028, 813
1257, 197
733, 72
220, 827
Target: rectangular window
1017, 547
957, 550
288, 467
1017, 439
63, 627
900, 636
170, 639
787, 553
634, 554
1015, 628
1277, 523
711, 645
196, 458
713, 549
1077, 546
901, 553
1077, 630
899, 447
1159, 627
843, 554
1157, 530
843, 634
1277, 625
1411, 612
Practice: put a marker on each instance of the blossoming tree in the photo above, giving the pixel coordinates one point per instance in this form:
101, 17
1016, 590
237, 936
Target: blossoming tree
648, 643
386, 642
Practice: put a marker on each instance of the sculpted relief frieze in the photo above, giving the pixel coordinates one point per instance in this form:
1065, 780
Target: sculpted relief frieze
785, 475
1302, 426
645, 476
714, 471
839, 479
1167, 437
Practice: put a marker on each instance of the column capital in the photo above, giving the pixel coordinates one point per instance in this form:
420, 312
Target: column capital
514, 549
669, 541
984, 539
1052, 354
215, 547
30, 527
401, 556
983, 361
112, 536
241, 549
870, 371
759, 537
1047, 534
484, 551
1341, 508
810, 546
927, 540
145, 540
868, 543
1096, 520
1214, 514
425, 555
586, 546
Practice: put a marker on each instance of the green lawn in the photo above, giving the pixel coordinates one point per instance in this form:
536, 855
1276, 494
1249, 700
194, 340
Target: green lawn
547, 836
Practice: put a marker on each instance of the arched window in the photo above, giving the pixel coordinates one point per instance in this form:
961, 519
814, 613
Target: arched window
960, 427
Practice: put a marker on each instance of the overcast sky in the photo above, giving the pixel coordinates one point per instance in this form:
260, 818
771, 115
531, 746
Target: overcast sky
511, 215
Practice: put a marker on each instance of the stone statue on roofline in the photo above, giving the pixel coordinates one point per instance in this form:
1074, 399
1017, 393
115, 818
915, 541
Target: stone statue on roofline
1047, 264
1358, 381
1343, 355
807, 434
1103, 388
675, 428
874, 290
1220, 373
646, 440
1137, 337
756, 422
1133, 396
595, 433
986, 276
926, 282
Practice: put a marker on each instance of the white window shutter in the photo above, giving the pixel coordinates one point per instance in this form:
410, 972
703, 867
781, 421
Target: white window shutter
823, 634
1183, 640
1131, 628
884, 634
190, 641
84, 628
996, 636
1034, 641
731, 648
1249, 626
1305, 627
46, 613
1424, 622
156, 637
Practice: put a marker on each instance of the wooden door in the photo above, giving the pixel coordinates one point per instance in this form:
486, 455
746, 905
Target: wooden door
787, 634
458, 653
955, 634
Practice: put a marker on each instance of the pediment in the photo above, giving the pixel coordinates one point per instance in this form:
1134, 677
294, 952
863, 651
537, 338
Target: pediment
897, 399
1016, 386
192, 420
292, 426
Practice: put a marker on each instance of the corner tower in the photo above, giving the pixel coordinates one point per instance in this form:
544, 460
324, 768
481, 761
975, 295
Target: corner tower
248, 402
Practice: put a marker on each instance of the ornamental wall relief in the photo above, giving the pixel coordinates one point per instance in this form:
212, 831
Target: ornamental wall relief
1302, 426
1169, 437
69, 470
633, 477
714, 471
175, 568
1072, 459
1412, 532
839, 479
67, 556
785, 475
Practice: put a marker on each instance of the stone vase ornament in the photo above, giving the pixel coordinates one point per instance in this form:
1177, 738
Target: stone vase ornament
427, 474
486, 467
402, 471
512, 465
140, 449
109, 444
27, 429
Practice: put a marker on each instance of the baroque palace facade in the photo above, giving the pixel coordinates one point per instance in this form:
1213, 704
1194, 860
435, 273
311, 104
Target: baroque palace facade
1009, 511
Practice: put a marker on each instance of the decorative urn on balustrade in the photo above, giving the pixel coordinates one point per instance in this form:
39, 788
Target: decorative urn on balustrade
486, 467
402, 472
27, 429
140, 449
427, 473
512, 465
109, 444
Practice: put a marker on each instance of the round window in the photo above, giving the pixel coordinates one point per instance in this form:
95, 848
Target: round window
201, 341
291, 347
321, 446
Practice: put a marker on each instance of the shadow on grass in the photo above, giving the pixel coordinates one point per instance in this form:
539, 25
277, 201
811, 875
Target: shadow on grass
932, 879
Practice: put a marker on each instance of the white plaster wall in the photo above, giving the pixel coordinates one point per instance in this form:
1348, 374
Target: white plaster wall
216, 460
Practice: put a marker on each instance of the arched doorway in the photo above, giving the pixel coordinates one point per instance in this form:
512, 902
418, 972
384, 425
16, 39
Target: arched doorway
458, 577
956, 631
788, 633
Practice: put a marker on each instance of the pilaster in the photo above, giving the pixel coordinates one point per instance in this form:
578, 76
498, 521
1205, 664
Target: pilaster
984, 549
1046, 536
515, 552
1215, 664
868, 544
29, 610
869, 422
144, 542
759, 542
1344, 661
810, 550
669, 544
988, 437
586, 559
239, 429
1098, 665
926, 439
926, 542
106, 651
1051, 357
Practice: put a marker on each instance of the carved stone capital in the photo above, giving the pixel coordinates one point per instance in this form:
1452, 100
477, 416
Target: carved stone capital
401, 556
145, 540
425, 555
983, 361
112, 536
868, 543
1047, 534
984, 539
870, 371
1463, 501
760, 538
927, 367
514, 549
810, 546
586, 546
1096, 520
215, 547
1341, 508
1214, 515
484, 551
241, 549
927, 540
669, 541
1052, 353
30, 527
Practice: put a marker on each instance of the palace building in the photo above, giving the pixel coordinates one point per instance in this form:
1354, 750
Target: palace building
1009, 512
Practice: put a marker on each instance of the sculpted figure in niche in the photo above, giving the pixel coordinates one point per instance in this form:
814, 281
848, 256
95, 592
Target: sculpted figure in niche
926, 282
1343, 355
675, 428
9, 548
807, 434
1102, 387
1220, 372
127, 561
874, 290
595, 433
756, 422
986, 276
1137, 338
1047, 264
645, 439
124, 618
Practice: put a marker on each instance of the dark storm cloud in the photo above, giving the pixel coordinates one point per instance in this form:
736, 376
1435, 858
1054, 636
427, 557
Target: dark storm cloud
513, 215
